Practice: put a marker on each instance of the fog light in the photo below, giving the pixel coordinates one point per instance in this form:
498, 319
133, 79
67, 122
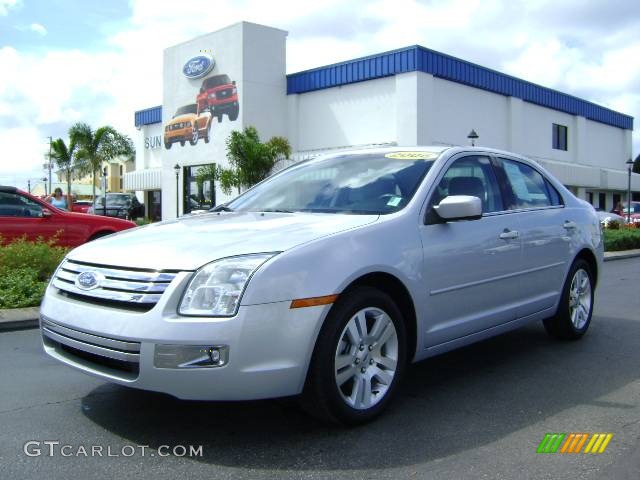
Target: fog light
190, 356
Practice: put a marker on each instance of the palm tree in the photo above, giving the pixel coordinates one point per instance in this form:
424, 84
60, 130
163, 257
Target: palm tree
99, 146
64, 158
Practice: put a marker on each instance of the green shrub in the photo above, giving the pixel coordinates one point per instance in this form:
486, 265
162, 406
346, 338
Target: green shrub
21, 287
25, 269
613, 225
41, 256
624, 239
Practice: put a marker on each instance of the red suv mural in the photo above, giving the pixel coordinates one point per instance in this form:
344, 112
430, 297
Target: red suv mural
220, 95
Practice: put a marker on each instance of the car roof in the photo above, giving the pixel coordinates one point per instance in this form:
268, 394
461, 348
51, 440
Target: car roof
8, 189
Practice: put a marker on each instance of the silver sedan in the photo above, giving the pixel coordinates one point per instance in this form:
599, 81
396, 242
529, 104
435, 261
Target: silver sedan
328, 278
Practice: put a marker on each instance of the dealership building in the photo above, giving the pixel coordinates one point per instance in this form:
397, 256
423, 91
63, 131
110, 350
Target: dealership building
236, 77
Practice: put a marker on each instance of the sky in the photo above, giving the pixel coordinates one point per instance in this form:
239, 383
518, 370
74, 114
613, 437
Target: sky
64, 61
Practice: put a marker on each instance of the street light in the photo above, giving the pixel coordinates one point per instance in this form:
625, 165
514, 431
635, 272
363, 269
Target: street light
44, 180
176, 168
629, 168
472, 136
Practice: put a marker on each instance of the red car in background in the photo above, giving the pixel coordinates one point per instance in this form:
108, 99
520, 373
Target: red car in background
219, 95
81, 206
22, 214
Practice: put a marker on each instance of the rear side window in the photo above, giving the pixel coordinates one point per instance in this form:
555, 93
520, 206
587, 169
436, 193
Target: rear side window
555, 197
529, 188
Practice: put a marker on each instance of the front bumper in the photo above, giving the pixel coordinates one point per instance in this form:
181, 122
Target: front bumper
270, 345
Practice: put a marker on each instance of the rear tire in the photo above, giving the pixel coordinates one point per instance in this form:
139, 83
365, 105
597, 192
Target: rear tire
573, 317
358, 360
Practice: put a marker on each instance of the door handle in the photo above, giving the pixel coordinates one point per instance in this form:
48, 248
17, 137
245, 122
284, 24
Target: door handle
570, 225
509, 234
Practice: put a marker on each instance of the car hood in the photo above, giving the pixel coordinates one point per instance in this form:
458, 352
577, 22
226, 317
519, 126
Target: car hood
182, 118
192, 241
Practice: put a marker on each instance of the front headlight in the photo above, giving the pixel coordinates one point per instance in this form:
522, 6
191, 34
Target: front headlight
216, 289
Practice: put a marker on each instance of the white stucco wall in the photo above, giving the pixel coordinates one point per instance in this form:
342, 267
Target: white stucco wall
356, 114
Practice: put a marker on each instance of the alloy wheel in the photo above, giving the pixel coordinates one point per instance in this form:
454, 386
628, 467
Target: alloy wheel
366, 358
580, 299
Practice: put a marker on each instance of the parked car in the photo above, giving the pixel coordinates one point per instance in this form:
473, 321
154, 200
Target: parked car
220, 95
81, 206
121, 205
22, 214
329, 277
188, 124
635, 212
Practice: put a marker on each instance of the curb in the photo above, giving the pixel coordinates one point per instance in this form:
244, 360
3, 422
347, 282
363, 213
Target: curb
24, 318
19, 318
622, 255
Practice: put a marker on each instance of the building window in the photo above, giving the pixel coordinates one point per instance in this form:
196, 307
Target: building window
590, 197
199, 188
602, 201
559, 134
617, 198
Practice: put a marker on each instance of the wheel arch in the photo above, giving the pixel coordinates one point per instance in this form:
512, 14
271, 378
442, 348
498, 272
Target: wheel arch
393, 286
589, 257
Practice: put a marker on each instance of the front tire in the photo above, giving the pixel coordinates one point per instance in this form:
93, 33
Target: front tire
359, 358
573, 317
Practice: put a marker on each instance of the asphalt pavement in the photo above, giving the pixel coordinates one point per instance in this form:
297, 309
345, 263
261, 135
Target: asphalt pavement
479, 412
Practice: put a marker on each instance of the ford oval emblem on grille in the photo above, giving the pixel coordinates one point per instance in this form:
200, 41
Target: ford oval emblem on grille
89, 280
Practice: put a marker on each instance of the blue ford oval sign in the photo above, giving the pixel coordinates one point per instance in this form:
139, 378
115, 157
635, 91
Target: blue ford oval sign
199, 66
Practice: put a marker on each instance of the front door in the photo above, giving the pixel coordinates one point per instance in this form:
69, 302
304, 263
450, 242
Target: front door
470, 266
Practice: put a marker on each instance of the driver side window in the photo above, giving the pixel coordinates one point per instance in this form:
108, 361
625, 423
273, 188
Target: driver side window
15, 205
474, 176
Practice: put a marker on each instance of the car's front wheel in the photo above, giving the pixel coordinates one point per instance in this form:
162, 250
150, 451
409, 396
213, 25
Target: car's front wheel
573, 317
359, 358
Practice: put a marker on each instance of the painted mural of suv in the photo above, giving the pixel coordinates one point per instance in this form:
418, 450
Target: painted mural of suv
329, 277
188, 124
220, 95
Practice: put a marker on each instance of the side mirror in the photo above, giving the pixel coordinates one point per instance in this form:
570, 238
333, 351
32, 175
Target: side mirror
233, 82
201, 89
459, 207
46, 213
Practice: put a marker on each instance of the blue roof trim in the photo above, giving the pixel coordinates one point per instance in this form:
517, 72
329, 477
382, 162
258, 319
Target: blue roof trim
417, 58
148, 116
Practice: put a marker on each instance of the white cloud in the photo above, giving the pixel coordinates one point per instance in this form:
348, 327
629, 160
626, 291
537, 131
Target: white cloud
6, 5
37, 28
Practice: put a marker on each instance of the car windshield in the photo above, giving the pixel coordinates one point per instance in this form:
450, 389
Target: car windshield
374, 183
193, 108
116, 200
216, 81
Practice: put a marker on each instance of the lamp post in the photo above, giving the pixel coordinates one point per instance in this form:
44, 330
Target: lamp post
44, 181
473, 136
176, 168
29, 185
629, 168
50, 140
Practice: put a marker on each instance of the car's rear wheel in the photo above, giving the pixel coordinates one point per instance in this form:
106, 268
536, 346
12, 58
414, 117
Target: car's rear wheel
573, 317
182, 143
359, 358
167, 145
194, 136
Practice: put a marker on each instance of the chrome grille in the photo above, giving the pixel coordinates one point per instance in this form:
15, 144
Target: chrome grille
105, 354
114, 284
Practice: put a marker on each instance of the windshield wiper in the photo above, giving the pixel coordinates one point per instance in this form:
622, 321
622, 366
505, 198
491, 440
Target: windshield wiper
277, 210
221, 208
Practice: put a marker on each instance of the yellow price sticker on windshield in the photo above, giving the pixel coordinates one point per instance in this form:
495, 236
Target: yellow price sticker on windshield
412, 155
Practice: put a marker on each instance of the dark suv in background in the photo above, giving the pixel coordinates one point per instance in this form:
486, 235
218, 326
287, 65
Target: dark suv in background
121, 205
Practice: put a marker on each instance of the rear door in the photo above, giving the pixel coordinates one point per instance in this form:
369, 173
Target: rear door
470, 267
545, 230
